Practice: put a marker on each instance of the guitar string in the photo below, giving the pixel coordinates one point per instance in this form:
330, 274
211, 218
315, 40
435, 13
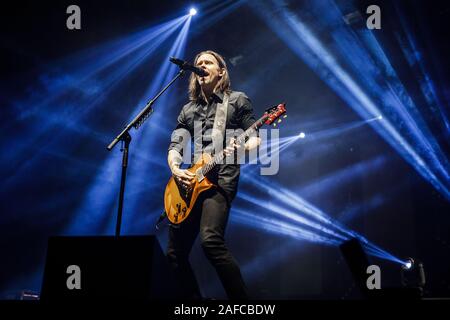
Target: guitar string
213, 162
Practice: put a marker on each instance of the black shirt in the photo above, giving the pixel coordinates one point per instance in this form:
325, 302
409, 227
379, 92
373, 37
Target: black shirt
239, 116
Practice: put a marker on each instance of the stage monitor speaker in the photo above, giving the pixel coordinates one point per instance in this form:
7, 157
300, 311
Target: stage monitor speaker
357, 262
106, 267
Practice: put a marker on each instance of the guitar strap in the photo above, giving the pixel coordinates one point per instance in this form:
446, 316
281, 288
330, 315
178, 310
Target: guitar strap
220, 121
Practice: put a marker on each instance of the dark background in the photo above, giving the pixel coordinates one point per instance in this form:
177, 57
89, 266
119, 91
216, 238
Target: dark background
44, 185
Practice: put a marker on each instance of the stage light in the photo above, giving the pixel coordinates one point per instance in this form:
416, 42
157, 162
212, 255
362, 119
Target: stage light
409, 264
303, 213
413, 275
193, 12
407, 131
116, 59
301, 135
99, 221
380, 117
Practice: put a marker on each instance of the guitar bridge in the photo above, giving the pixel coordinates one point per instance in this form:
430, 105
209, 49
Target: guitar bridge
199, 175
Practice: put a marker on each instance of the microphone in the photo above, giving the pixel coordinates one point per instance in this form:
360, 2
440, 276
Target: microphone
184, 65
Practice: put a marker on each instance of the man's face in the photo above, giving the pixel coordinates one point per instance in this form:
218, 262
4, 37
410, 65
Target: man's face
209, 63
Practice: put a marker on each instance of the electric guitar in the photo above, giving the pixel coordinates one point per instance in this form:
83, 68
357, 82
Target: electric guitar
179, 200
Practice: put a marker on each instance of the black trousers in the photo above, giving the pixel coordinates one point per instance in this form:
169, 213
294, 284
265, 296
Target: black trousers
209, 218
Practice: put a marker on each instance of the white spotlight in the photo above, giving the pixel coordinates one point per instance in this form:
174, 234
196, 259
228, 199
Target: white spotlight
380, 117
193, 12
301, 135
409, 263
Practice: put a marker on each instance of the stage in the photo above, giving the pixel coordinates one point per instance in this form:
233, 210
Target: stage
345, 197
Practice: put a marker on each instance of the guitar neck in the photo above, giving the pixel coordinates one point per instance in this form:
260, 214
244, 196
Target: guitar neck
239, 140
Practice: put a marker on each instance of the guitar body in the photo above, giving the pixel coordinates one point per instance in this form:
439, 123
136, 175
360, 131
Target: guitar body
179, 202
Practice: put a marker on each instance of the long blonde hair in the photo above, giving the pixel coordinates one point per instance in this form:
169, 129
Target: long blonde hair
224, 84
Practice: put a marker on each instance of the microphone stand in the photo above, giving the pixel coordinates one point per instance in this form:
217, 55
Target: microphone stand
125, 138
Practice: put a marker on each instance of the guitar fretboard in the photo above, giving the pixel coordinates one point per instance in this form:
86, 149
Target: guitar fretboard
239, 140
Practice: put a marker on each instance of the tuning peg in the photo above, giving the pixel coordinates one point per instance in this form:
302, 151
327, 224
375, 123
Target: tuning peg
285, 116
274, 124
279, 120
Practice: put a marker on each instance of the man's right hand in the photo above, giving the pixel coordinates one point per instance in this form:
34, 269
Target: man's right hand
184, 176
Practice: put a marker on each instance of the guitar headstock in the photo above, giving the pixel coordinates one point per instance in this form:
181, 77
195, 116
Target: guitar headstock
274, 113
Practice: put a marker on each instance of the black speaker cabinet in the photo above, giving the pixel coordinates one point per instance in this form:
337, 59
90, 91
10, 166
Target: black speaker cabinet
357, 262
106, 267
